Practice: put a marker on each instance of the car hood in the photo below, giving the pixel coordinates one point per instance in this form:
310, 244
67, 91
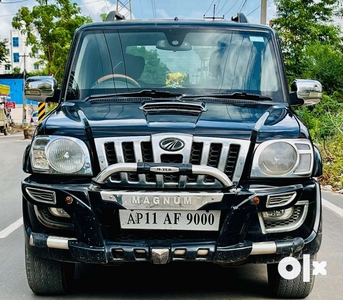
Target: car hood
238, 120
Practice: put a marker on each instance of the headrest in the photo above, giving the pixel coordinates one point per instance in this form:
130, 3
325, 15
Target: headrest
134, 65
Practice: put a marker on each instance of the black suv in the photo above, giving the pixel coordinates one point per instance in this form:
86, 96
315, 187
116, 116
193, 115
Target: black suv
172, 140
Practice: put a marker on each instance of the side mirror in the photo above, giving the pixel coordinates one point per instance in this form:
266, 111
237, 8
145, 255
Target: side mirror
40, 88
306, 92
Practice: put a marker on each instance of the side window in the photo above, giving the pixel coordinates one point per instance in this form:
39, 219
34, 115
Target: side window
99, 55
7, 67
15, 42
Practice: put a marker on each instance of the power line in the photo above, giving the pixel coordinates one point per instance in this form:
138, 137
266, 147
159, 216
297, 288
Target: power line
209, 7
222, 7
106, 5
241, 9
231, 7
253, 10
153, 9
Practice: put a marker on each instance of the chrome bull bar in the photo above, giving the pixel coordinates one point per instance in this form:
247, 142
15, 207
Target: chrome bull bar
160, 168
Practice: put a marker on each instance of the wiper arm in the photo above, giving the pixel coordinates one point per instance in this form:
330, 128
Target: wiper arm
238, 95
148, 93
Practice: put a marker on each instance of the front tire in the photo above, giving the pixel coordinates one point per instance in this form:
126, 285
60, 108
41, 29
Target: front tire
289, 288
45, 276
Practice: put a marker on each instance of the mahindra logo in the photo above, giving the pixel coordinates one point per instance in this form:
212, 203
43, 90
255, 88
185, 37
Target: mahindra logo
172, 144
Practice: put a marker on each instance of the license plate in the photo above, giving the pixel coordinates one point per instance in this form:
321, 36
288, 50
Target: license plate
170, 220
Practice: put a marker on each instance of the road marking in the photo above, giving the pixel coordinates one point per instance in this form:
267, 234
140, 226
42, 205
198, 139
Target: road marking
8, 230
333, 207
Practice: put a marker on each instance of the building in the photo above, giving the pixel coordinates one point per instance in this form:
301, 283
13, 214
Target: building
19, 58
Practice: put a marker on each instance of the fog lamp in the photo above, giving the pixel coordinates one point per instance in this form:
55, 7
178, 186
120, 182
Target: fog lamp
278, 215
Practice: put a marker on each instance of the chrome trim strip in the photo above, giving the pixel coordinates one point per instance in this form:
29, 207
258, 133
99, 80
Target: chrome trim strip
32, 190
168, 106
291, 196
54, 242
164, 169
161, 200
57, 242
50, 223
263, 248
318, 208
31, 242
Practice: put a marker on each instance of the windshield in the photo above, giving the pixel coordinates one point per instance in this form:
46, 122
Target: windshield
188, 61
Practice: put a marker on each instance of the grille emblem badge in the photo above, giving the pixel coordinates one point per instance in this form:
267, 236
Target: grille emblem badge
172, 144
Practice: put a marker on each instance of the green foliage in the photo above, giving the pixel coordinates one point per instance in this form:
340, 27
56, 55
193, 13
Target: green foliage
16, 70
332, 155
103, 17
3, 51
324, 120
50, 27
325, 123
301, 24
325, 64
154, 70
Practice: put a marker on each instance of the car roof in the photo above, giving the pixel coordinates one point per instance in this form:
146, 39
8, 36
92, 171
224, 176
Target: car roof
175, 23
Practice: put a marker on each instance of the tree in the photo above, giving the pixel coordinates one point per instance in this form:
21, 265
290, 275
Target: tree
155, 70
303, 23
325, 64
50, 27
3, 51
16, 70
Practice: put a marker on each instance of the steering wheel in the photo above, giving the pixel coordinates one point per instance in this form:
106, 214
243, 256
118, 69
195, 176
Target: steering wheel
120, 77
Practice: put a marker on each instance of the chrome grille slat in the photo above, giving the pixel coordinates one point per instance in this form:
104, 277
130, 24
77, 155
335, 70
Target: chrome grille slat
40, 195
227, 155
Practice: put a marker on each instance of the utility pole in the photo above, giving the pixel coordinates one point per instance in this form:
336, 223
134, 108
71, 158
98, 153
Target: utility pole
126, 6
24, 98
263, 12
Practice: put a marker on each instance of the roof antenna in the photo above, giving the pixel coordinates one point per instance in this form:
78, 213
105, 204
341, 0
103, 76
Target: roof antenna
214, 14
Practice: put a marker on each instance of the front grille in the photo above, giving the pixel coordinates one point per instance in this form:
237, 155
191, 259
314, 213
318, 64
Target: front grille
225, 154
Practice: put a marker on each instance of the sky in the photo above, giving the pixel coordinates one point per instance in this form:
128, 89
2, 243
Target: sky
149, 9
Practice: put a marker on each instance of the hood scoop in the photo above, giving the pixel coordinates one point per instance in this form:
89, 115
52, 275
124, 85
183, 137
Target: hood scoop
168, 107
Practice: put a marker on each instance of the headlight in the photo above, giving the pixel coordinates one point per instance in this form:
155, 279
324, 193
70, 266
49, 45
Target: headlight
60, 155
283, 158
277, 159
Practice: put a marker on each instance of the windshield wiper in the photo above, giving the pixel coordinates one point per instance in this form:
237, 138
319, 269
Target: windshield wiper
238, 95
148, 93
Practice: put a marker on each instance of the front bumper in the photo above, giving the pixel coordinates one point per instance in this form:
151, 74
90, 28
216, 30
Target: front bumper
94, 234
113, 252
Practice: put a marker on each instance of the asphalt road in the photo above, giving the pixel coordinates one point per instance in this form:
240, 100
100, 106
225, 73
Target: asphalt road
150, 281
